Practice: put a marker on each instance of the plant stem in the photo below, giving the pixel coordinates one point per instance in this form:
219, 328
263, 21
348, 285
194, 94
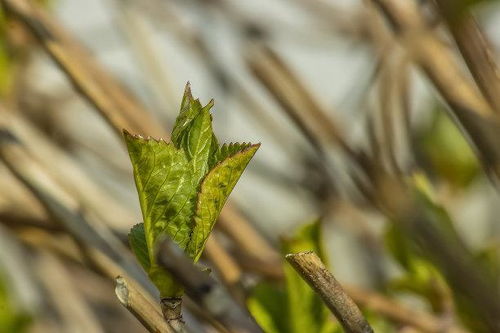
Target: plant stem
171, 307
140, 307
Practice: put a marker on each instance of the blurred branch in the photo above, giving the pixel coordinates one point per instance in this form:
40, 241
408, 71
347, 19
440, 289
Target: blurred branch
61, 292
140, 307
100, 89
300, 106
69, 173
314, 272
142, 42
398, 312
467, 104
386, 90
474, 47
227, 268
62, 207
248, 240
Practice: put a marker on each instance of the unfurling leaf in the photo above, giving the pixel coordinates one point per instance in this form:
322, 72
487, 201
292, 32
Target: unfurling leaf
215, 189
182, 185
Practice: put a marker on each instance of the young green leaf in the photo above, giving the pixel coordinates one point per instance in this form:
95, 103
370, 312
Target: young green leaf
166, 193
215, 189
268, 305
182, 185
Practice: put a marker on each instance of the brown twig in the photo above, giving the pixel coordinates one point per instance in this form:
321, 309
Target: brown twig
314, 272
86, 75
474, 47
91, 233
301, 107
59, 287
147, 313
239, 229
68, 173
146, 50
468, 106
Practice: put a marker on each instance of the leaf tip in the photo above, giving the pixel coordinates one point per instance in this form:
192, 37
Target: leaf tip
253, 146
258, 144
210, 104
187, 89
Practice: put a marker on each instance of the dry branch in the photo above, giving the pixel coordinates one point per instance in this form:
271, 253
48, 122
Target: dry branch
314, 272
87, 76
467, 104
89, 232
66, 298
247, 239
290, 93
475, 49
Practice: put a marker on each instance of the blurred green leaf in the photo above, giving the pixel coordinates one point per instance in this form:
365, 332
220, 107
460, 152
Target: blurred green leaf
11, 318
379, 323
295, 308
268, 304
421, 276
489, 257
426, 273
446, 152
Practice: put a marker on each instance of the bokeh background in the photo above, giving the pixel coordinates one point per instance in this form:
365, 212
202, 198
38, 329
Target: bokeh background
328, 87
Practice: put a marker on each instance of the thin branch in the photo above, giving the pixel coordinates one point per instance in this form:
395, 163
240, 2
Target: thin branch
468, 106
475, 49
69, 173
242, 232
92, 81
140, 307
227, 268
314, 272
60, 287
273, 73
91, 233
